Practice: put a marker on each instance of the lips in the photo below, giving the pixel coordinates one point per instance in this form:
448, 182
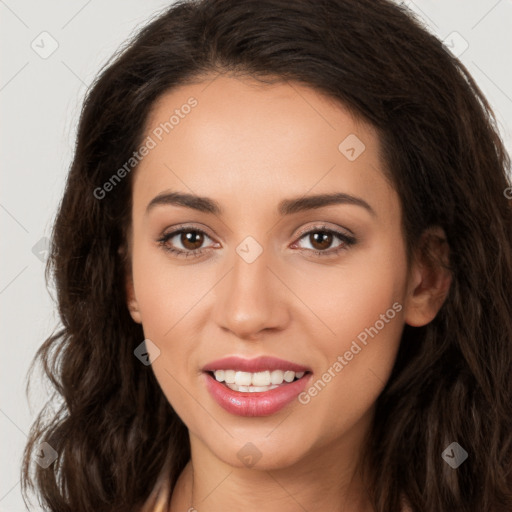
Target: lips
258, 364
255, 404
264, 403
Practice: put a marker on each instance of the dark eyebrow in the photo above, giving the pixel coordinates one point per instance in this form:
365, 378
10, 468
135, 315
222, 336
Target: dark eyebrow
290, 206
202, 204
286, 207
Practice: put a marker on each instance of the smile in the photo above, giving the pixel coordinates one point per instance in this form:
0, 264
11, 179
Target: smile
255, 382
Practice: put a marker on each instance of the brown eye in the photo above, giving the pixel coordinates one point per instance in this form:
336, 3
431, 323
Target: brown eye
192, 240
184, 242
321, 240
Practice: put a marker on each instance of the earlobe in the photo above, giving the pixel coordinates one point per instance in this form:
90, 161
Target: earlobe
131, 301
133, 306
430, 278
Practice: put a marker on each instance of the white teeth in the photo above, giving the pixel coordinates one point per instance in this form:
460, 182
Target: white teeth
229, 376
289, 376
243, 378
257, 379
276, 377
261, 388
250, 389
261, 378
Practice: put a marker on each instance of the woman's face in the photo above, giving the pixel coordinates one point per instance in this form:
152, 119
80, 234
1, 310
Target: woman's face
261, 154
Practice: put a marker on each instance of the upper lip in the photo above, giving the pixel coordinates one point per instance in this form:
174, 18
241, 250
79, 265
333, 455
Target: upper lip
258, 364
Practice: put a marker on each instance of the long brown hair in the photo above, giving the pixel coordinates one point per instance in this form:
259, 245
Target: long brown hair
112, 427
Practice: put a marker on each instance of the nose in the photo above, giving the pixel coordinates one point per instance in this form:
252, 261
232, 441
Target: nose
251, 299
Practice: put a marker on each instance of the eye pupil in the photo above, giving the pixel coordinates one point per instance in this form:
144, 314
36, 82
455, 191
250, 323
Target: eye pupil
195, 238
323, 239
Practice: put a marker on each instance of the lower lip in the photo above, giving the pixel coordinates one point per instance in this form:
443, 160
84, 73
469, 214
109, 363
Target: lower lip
262, 403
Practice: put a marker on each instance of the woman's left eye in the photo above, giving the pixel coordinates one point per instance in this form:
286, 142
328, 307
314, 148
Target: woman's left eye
191, 240
323, 236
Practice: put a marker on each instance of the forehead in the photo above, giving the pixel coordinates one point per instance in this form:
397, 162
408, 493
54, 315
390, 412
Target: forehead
229, 138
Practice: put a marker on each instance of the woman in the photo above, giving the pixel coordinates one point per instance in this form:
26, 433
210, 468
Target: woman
283, 261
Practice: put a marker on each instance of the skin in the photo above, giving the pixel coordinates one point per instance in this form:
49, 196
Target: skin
248, 146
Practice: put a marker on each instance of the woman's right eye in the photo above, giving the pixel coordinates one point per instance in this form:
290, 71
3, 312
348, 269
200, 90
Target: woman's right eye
188, 238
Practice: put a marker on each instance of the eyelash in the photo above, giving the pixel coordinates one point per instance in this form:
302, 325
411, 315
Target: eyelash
347, 241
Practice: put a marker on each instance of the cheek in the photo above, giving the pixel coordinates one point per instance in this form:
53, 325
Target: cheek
165, 292
356, 367
169, 299
363, 308
351, 296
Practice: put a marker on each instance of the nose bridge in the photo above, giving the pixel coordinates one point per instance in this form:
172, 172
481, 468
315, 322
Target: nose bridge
249, 299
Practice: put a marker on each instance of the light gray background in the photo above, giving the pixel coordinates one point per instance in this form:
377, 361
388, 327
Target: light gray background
40, 100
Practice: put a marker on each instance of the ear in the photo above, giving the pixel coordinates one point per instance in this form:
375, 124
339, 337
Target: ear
429, 278
133, 306
131, 301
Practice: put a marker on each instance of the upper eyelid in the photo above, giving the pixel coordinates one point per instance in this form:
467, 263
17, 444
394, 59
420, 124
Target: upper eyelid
179, 229
322, 226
